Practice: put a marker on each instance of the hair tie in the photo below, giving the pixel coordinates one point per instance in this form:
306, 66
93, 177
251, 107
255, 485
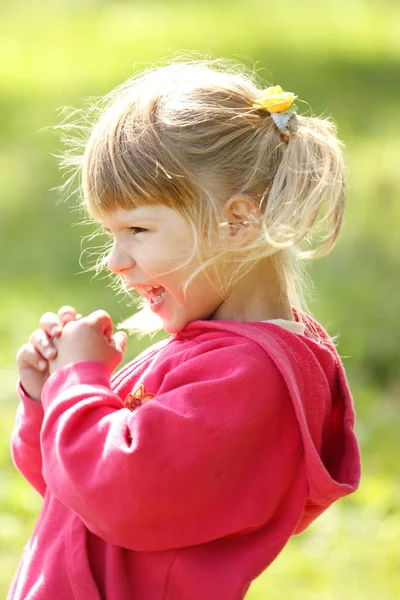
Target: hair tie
279, 104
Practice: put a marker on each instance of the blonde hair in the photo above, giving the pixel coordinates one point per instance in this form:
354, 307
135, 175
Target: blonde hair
187, 135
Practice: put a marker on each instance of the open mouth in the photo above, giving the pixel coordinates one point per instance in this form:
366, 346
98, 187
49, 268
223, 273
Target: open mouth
152, 293
157, 295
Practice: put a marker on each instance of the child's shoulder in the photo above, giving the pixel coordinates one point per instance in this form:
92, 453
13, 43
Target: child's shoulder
216, 341
197, 353
214, 348
207, 363
259, 353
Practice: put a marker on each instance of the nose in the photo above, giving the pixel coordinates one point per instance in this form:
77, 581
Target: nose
119, 260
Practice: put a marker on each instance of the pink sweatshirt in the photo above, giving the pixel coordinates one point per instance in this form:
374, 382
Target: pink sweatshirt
184, 477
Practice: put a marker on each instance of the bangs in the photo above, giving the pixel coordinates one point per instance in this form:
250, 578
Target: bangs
126, 164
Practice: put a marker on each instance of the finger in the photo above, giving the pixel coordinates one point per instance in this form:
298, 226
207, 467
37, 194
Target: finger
67, 314
41, 342
28, 356
102, 320
51, 325
119, 340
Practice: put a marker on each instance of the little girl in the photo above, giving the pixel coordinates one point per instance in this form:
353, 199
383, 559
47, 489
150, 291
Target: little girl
183, 476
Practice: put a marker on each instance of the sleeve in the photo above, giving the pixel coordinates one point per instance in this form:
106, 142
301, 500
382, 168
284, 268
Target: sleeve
25, 440
210, 455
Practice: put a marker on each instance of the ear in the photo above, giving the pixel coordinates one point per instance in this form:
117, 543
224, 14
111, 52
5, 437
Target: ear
242, 215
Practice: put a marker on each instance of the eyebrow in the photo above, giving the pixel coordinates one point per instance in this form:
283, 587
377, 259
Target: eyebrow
147, 218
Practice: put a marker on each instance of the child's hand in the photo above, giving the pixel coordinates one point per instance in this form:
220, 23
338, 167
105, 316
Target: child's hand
32, 358
89, 338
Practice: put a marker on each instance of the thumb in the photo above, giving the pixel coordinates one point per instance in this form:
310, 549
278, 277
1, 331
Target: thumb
119, 340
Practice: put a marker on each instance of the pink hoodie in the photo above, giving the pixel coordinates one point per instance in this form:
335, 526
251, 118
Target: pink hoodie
186, 476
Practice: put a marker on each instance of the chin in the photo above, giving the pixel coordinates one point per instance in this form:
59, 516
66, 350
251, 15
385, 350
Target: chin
176, 326
173, 327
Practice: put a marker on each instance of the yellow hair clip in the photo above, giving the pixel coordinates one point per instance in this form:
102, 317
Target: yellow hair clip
279, 104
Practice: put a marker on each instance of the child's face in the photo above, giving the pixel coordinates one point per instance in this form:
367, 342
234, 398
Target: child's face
150, 241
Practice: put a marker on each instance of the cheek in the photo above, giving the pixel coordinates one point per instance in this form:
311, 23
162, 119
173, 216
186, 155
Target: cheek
179, 247
174, 269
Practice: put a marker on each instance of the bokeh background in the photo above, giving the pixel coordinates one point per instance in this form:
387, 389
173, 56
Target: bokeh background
343, 58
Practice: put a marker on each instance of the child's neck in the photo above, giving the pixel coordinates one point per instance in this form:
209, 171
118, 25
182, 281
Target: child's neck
257, 297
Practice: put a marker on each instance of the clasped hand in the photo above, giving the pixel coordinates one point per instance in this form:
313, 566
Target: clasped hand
67, 338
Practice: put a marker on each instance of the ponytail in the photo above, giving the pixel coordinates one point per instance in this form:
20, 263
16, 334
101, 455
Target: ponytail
310, 180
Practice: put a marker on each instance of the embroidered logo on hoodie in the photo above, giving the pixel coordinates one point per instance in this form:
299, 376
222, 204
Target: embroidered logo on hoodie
137, 397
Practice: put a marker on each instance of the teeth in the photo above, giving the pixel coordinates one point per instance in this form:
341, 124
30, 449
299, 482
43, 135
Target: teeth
148, 288
150, 292
155, 298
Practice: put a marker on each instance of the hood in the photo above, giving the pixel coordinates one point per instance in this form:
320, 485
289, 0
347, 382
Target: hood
323, 405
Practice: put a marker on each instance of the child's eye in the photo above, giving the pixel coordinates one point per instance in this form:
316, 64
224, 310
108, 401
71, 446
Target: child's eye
136, 230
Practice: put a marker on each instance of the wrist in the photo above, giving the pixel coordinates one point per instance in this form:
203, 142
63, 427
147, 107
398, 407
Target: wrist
87, 372
25, 393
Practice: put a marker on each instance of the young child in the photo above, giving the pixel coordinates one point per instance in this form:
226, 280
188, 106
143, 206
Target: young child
183, 476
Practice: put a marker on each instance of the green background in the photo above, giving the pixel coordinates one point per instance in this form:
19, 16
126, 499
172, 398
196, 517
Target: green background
342, 58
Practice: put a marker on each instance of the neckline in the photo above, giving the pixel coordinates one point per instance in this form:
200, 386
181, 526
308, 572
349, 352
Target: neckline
293, 326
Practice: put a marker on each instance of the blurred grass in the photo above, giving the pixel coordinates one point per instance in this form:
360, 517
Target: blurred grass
343, 58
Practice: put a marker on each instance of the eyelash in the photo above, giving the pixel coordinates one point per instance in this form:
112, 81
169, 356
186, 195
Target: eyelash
133, 230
